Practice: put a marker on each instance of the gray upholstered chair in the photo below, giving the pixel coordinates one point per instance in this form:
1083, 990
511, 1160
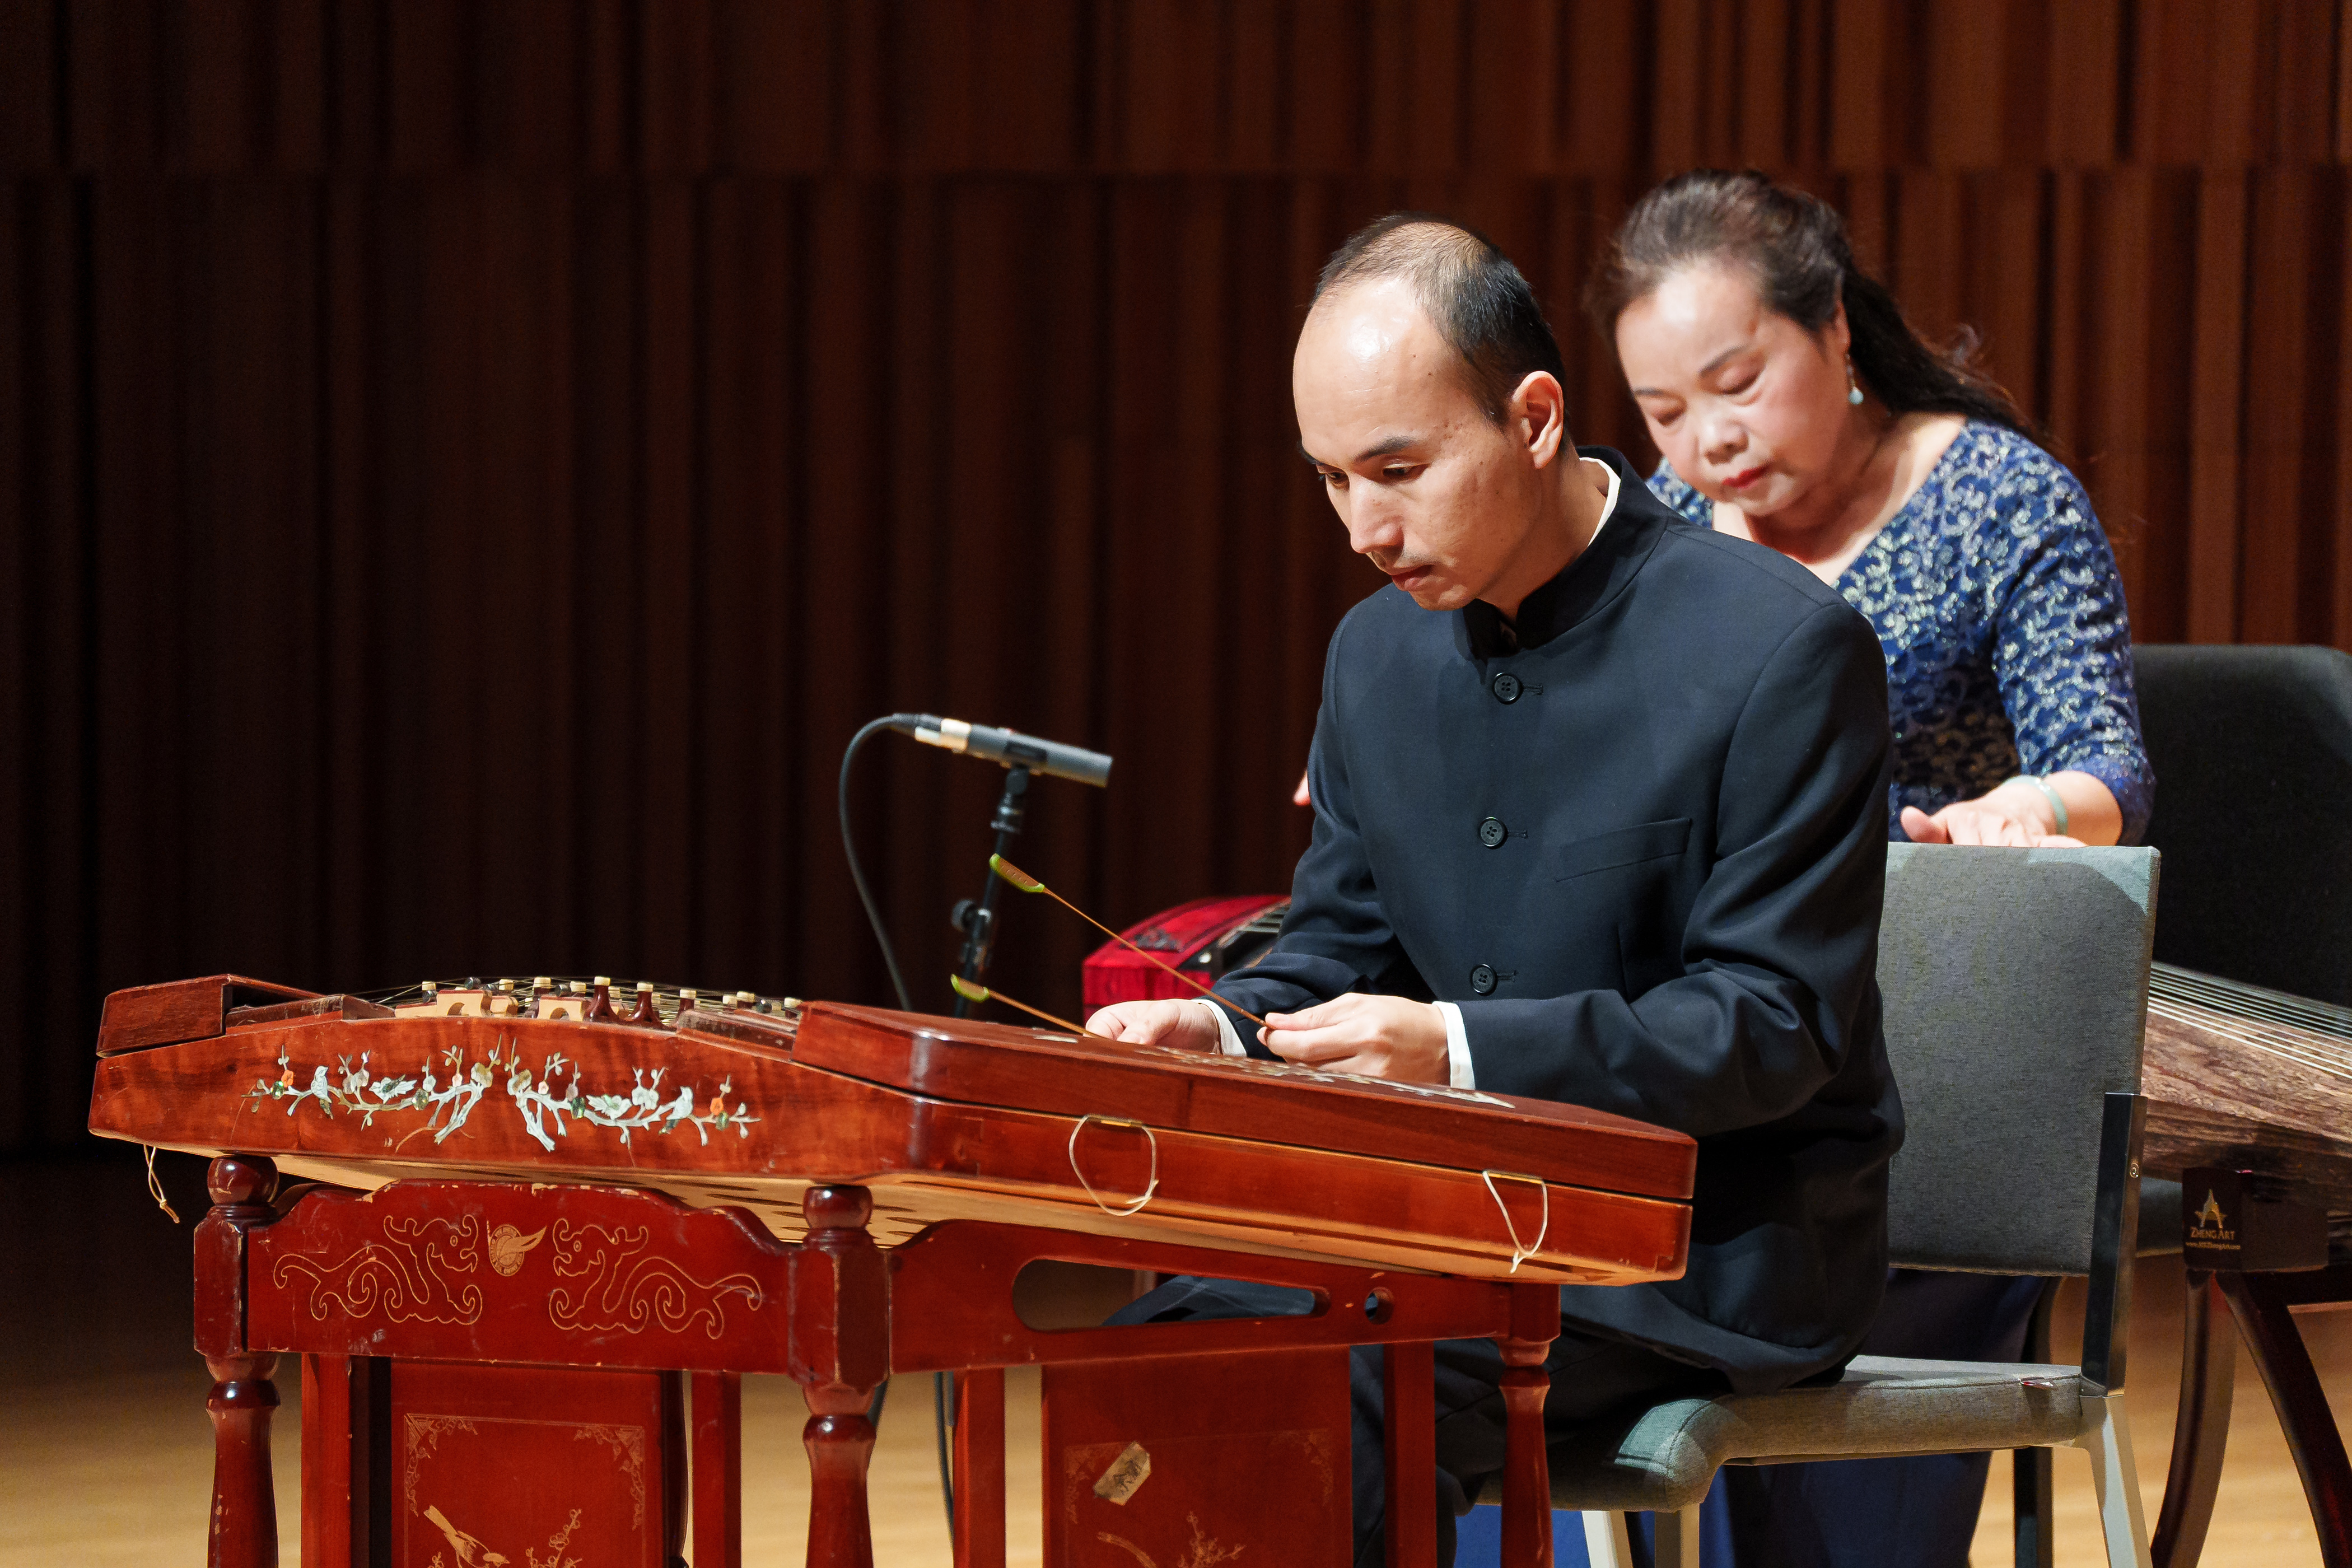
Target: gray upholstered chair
2016, 985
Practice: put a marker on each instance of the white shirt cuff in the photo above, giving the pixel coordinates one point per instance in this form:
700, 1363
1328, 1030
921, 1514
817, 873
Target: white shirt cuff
1228, 1039
1460, 1074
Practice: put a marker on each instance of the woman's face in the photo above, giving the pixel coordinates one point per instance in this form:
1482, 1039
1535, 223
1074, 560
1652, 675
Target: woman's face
1748, 406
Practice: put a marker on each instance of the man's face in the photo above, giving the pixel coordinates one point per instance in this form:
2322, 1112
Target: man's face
1432, 491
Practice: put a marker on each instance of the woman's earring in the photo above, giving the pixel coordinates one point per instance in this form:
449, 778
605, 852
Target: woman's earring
1852, 386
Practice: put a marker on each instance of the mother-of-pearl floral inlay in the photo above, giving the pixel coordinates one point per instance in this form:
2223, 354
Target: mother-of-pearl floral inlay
545, 1103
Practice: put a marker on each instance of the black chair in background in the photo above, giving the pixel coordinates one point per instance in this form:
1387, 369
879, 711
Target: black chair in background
2253, 752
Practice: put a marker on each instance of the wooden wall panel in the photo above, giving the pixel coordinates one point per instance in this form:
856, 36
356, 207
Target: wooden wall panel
465, 470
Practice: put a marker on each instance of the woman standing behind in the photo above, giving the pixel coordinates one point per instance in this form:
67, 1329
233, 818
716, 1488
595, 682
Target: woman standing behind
1795, 407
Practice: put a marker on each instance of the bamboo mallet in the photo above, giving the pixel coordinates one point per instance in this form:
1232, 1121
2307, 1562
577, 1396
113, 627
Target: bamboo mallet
1029, 884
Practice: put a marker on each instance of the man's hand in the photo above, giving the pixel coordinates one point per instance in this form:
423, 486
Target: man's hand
1186, 1025
1378, 1037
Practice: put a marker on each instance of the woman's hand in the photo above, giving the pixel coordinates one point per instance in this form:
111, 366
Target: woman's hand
2019, 815
1378, 1037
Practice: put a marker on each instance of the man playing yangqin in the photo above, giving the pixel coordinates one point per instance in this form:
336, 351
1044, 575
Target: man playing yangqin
1598, 817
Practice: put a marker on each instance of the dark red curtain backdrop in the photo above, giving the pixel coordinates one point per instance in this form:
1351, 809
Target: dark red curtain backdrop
464, 470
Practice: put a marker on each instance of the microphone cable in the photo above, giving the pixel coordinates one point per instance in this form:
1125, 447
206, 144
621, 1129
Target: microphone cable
849, 853
906, 1004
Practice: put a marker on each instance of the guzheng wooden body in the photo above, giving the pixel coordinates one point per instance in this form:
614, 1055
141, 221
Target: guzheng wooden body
523, 1181
2243, 1077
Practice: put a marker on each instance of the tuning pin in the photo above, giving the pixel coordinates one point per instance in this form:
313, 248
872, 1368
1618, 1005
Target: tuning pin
430, 990
599, 1009
688, 999
539, 987
791, 1004
644, 1011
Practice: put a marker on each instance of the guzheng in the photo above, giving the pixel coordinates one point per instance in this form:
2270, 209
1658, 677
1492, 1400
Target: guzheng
729, 1098
2243, 1077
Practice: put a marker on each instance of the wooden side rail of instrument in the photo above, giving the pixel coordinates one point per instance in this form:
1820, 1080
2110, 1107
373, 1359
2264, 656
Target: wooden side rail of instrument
607, 1277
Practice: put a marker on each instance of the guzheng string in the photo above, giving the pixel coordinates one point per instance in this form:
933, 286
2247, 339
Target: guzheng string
2285, 1028
1029, 884
971, 993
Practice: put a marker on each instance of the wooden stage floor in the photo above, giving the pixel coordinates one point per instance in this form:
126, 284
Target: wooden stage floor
106, 1452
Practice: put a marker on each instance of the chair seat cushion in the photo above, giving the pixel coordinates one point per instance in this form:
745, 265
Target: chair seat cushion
1664, 1457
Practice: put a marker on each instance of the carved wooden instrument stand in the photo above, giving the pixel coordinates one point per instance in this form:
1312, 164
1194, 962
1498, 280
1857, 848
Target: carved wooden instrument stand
582, 1300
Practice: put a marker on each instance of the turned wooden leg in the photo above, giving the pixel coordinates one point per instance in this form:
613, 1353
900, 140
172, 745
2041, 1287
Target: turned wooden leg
1527, 1466
244, 1502
979, 1467
2311, 1435
244, 1532
718, 1469
2209, 1365
840, 1353
1410, 1413
840, 1443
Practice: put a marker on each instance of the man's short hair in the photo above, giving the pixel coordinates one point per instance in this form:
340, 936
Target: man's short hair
1479, 302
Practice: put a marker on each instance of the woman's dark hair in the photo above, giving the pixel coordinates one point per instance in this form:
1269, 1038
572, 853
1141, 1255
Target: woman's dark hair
1796, 247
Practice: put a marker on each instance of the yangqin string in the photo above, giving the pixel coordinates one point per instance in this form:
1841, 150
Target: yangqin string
1521, 1252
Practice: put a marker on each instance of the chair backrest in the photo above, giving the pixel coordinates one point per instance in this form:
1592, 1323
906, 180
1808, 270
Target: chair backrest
2016, 987
2253, 752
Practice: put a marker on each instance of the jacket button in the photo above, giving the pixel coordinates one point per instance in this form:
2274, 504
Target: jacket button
1481, 979
1505, 687
1491, 832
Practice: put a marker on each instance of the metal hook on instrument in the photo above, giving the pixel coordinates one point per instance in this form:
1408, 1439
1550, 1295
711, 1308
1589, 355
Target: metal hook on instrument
1519, 1254
1149, 1187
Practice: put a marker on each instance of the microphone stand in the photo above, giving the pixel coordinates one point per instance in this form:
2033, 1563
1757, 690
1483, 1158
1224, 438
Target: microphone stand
977, 917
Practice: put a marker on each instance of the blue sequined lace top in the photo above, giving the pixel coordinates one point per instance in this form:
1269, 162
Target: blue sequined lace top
2008, 647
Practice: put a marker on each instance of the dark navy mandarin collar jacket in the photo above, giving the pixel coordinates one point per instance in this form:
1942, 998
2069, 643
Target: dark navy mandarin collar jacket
1645, 852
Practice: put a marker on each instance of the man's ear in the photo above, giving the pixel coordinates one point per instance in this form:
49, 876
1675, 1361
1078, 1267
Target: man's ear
1539, 412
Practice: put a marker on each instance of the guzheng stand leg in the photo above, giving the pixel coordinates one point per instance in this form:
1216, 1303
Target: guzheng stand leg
244, 1502
1527, 1466
2209, 1365
979, 1467
2258, 1303
840, 1353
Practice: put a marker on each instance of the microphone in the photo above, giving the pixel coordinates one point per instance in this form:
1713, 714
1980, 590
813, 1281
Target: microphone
1010, 747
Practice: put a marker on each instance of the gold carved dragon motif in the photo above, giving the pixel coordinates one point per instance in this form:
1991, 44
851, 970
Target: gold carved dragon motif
618, 1287
406, 1276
